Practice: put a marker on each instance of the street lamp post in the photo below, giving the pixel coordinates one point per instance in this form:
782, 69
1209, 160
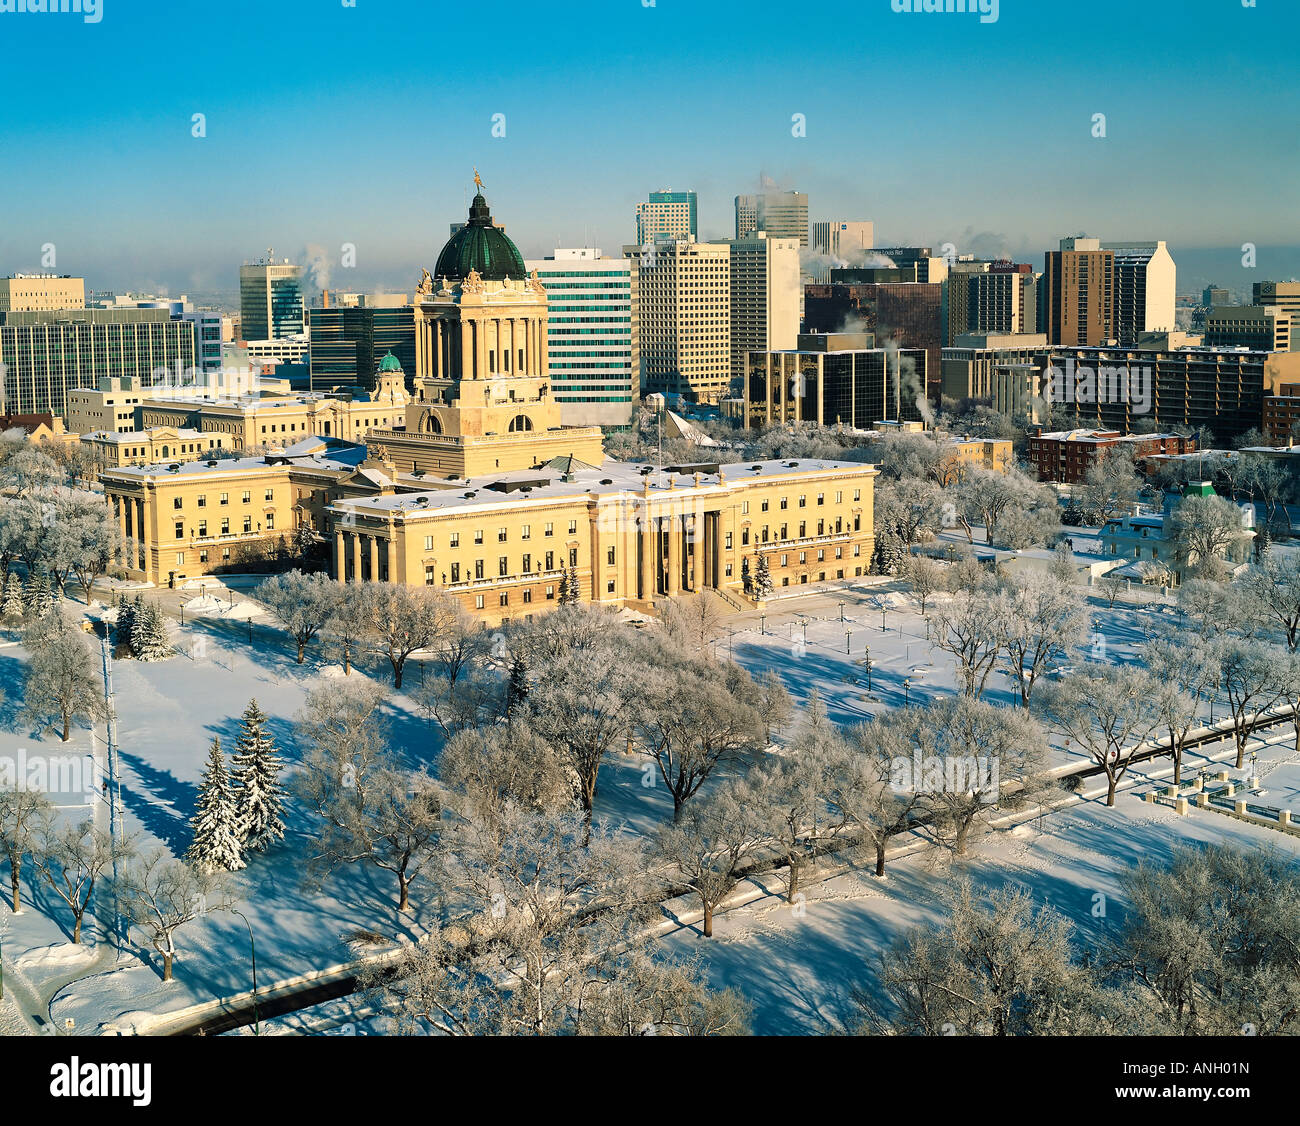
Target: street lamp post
882, 619
762, 624
848, 636
841, 611
252, 950
868, 661
907, 691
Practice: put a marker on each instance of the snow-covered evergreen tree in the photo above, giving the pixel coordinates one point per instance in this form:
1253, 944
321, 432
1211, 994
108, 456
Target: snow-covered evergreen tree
12, 606
125, 619
216, 846
570, 590
259, 797
149, 640
39, 593
762, 579
517, 688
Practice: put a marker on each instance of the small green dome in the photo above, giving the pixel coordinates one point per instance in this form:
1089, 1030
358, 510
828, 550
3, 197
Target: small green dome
389, 363
481, 246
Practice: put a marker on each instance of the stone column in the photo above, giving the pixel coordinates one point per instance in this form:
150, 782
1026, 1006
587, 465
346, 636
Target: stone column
142, 546
466, 357
392, 555
356, 557
340, 560
648, 548
673, 581
119, 507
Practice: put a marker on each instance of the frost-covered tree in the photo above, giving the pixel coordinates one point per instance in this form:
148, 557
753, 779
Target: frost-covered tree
774, 703
708, 845
12, 606
72, 858
216, 844
39, 594
1106, 710
1046, 619
1204, 529
1254, 678
255, 778
693, 621
63, 682
403, 619
23, 811
348, 622
161, 895
863, 797
489, 769
304, 603
924, 576
763, 579
973, 626
1186, 666
1272, 590
570, 587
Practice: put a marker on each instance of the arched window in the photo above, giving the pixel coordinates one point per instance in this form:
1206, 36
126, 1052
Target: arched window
431, 423
520, 422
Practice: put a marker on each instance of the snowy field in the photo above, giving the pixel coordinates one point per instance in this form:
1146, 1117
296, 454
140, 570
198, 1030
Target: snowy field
168, 712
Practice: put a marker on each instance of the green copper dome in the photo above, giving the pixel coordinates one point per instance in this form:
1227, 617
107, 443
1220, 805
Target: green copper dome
389, 363
480, 246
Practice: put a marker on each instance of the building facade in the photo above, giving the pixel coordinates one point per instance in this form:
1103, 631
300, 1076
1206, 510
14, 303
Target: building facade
271, 304
764, 297
1065, 456
667, 215
592, 343
1145, 287
30, 293
348, 343
1080, 293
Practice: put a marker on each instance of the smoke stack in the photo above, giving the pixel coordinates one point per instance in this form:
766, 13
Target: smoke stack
324, 298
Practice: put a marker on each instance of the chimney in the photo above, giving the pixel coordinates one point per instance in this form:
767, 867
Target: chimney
325, 299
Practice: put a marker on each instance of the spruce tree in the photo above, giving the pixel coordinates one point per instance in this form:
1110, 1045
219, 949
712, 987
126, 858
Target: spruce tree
570, 589
149, 640
517, 688
125, 620
39, 594
216, 846
12, 607
763, 580
259, 797
746, 579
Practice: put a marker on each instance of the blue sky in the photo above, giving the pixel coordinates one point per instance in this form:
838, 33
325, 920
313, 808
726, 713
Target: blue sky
329, 124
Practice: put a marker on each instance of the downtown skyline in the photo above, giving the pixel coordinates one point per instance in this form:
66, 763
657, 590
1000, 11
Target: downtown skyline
328, 125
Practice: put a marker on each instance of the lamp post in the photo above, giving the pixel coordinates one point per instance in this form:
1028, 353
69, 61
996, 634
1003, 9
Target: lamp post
731, 633
762, 625
907, 691
868, 662
841, 611
252, 950
882, 619
848, 636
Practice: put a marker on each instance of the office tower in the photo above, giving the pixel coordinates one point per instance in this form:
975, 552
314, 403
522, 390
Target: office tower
48, 353
765, 295
784, 215
668, 215
682, 297
349, 341
1145, 280
1262, 328
907, 314
593, 361
969, 368
1001, 300
958, 296
270, 300
41, 292
1080, 282
847, 241
833, 379
1214, 295
746, 215
1286, 296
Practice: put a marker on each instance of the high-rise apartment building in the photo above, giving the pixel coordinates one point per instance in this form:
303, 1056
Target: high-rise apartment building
765, 295
682, 297
1080, 285
784, 215
47, 353
41, 292
1145, 280
1285, 296
270, 300
847, 241
593, 360
667, 216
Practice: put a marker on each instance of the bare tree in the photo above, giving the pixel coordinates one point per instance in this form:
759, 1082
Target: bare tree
710, 842
1107, 710
404, 619
694, 621
1204, 529
22, 813
774, 703
973, 626
162, 895
1254, 678
924, 575
348, 619
1111, 486
304, 603
1272, 591
792, 790
371, 811
986, 494
490, 768
72, 858
1187, 670
691, 720
63, 683
863, 794
1047, 619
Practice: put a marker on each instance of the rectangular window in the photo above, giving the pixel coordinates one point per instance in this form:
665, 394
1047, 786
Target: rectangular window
202, 502
225, 527
821, 498
455, 539
525, 532
821, 556
455, 572
550, 592
550, 561
503, 566
203, 556
429, 577
549, 530
573, 557
528, 596
176, 502
270, 495
763, 505
803, 557
501, 535
180, 530
225, 498
744, 508
784, 560
270, 521
839, 498
728, 541
505, 598
573, 527
478, 536
785, 503
478, 568
247, 497
609, 557
428, 543
248, 523
478, 602
803, 502
527, 564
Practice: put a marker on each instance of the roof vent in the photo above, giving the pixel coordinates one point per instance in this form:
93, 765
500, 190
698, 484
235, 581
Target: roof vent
175, 467
212, 464
756, 468
606, 480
